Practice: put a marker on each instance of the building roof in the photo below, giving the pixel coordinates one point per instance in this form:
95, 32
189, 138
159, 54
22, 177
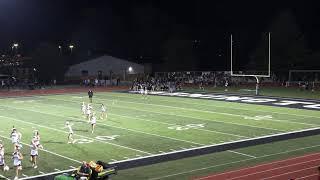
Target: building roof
105, 64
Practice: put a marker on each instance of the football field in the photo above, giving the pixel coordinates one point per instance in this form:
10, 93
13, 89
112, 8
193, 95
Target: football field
136, 127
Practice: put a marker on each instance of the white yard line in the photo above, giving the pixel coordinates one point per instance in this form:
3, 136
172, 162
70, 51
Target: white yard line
137, 131
141, 132
1, 176
50, 152
103, 141
34, 124
156, 112
170, 124
211, 105
46, 174
211, 112
188, 109
234, 162
244, 154
142, 119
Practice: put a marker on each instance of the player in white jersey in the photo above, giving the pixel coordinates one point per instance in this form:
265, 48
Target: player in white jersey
69, 127
15, 138
226, 85
34, 146
17, 158
93, 122
89, 111
103, 112
2, 161
83, 108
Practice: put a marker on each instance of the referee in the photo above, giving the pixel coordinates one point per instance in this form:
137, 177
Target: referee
90, 94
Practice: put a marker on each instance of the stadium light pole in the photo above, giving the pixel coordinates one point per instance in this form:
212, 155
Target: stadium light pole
15, 46
60, 49
71, 48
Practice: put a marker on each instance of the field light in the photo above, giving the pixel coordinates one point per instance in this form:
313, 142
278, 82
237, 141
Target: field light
15, 45
130, 69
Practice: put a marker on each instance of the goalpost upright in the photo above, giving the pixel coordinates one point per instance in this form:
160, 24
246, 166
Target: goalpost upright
257, 76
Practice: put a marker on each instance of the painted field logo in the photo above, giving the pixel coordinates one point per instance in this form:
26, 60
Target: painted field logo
99, 138
271, 101
186, 127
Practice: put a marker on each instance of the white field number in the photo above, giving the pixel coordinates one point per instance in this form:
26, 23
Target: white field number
186, 127
101, 138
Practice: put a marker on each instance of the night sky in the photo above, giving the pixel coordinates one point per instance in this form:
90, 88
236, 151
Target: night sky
130, 29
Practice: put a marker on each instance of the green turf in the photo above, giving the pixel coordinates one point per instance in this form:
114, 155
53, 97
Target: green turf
294, 92
138, 127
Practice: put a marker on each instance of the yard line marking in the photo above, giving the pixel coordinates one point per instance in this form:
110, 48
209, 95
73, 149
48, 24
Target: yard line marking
138, 155
162, 152
240, 161
113, 160
219, 106
1, 176
212, 131
50, 152
72, 167
57, 169
24, 175
191, 117
191, 142
212, 105
126, 157
176, 139
47, 174
243, 154
172, 150
214, 112
41, 172
26, 122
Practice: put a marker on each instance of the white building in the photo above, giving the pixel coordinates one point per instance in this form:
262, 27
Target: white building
104, 66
